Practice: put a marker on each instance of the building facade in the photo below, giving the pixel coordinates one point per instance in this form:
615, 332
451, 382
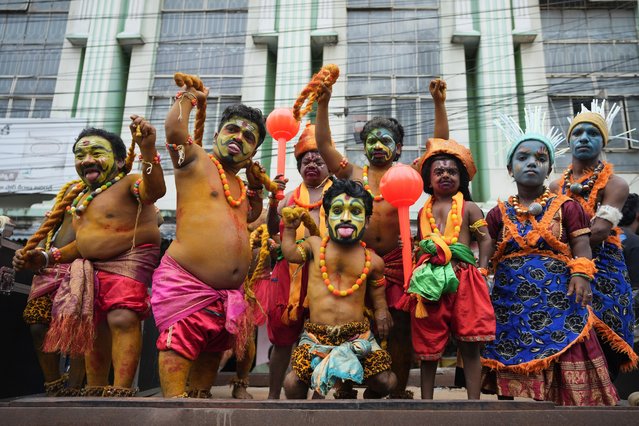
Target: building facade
98, 62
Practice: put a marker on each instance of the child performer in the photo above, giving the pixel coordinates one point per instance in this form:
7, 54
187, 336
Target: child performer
451, 292
549, 342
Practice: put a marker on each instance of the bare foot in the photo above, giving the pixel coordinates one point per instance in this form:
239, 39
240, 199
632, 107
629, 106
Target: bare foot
239, 389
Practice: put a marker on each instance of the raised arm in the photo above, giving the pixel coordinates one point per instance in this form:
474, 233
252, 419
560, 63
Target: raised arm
152, 187
437, 89
331, 156
179, 142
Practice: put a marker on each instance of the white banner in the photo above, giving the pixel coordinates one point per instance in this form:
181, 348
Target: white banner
36, 154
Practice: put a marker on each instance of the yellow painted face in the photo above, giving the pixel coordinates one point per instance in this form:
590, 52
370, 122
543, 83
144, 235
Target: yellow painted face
346, 219
95, 160
236, 141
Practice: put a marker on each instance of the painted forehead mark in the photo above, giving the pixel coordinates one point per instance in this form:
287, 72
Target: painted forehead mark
88, 143
243, 124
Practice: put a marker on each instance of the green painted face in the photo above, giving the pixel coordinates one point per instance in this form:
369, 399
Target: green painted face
95, 161
236, 141
380, 146
346, 219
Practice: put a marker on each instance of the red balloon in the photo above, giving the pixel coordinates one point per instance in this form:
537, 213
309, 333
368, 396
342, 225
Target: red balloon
401, 186
281, 124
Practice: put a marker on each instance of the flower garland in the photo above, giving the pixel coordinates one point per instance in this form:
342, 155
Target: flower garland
310, 206
455, 216
225, 184
367, 187
76, 210
358, 283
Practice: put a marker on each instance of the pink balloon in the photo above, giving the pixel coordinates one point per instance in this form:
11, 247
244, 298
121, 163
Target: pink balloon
281, 124
401, 185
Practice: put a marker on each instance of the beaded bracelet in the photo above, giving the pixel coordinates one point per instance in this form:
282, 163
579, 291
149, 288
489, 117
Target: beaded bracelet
180, 149
149, 164
189, 95
253, 192
56, 254
343, 163
136, 189
302, 252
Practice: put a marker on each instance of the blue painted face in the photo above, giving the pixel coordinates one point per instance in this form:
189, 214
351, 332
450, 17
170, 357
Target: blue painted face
530, 164
586, 141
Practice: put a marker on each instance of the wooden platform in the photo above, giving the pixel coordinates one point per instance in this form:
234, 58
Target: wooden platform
158, 411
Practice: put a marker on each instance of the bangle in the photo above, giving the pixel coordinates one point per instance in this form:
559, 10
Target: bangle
56, 254
582, 265
46, 257
379, 283
584, 276
343, 163
302, 252
483, 271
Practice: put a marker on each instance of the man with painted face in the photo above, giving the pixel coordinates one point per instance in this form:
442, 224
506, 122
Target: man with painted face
449, 294
288, 290
592, 182
197, 302
383, 140
549, 344
98, 311
337, 344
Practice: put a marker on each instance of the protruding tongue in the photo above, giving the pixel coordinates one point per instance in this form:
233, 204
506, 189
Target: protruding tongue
234, 148
92, 175
345, 231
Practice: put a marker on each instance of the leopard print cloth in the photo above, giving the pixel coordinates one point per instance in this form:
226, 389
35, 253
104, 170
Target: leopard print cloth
38, 310
373, 364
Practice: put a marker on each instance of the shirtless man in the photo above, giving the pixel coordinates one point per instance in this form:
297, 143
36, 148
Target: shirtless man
382, 139
337, 344
591, 181
197, 302
116, 235
285, 281
55, 231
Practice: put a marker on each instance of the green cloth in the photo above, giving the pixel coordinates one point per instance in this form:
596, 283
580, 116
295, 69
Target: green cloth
431, 280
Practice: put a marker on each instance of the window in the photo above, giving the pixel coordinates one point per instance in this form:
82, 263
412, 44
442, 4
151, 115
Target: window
393, 53
206, 38
30, 50
592, 51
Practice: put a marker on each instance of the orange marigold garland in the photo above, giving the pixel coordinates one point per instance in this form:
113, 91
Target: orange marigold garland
324, 271
378, 197
327, 75
225, 184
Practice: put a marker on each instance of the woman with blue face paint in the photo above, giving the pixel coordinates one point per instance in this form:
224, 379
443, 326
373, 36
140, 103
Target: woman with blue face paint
549, 342
592, 182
